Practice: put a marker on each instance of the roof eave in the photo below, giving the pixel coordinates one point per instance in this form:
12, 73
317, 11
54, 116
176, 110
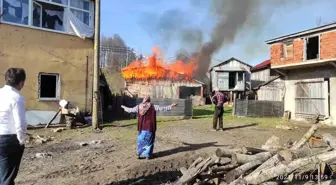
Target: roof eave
261, 68
232, 58
301, 33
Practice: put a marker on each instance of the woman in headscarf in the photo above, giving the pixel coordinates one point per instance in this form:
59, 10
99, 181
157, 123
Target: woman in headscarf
146, 125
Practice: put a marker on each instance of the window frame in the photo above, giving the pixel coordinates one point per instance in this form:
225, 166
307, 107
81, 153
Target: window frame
58, 87
67, 7
305, 47
37, 3
284, 47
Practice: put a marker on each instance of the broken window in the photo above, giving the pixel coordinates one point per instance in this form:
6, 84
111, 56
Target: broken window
70, 16
312, 48
15, 11
288, 51
49, 86
46, 15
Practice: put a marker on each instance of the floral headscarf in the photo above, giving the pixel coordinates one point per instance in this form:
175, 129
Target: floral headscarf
145, 105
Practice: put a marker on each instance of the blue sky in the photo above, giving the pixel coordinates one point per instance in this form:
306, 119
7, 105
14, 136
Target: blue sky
134, 21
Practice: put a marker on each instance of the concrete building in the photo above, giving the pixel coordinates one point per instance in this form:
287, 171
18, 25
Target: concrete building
307, 60
266, 82
52, 41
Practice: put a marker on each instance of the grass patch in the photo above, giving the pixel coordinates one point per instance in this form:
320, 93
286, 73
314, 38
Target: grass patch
207, 111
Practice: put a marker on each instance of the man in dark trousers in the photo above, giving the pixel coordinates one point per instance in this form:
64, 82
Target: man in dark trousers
219, 100
13, 126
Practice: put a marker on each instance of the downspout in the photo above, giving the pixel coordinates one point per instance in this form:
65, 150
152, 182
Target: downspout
86, 82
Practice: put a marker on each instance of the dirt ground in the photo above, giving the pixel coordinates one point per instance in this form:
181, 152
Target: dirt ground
110, 156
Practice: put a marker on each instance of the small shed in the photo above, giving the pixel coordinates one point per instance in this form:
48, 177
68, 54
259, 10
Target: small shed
266, 82
231, 76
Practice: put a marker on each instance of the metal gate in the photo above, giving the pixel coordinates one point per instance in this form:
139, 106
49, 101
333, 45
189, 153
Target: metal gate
311, 99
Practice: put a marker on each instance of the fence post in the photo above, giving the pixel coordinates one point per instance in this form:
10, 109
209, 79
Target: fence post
234, 109
247, 106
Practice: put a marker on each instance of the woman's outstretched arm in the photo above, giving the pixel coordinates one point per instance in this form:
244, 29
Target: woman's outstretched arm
130, 110
165, 108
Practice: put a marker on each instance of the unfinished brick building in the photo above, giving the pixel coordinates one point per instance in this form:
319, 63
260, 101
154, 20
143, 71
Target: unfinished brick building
307, 61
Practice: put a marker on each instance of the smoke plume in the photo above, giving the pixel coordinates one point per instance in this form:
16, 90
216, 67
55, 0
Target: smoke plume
233, 18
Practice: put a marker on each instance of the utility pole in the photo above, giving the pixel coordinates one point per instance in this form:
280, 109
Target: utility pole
96, 94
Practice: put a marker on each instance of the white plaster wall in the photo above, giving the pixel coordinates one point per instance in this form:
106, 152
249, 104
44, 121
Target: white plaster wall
307, 74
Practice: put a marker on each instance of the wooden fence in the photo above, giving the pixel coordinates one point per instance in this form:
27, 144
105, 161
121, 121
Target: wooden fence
259, 108
183, 109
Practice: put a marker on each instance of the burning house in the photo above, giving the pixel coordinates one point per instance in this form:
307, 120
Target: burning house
152, 76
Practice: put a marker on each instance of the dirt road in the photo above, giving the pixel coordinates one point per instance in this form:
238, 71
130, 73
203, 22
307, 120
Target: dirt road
110, 156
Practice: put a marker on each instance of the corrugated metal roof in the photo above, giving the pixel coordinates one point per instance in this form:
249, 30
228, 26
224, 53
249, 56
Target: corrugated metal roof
232, 58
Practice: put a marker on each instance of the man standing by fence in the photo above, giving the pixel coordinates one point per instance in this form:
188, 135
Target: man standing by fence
13, 126
218, 99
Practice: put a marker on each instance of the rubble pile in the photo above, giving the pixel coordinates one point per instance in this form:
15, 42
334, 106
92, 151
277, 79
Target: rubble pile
292, 163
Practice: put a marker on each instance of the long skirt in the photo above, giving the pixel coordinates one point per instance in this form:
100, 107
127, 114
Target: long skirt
145, 143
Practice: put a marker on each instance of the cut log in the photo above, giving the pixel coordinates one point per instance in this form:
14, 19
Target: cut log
194, 171
272, 143
330, 140
270, 183
305, 152
211, 175
304, 169
196, 162
252, 150
286, 156
242, 158
224, 152
235, 173
183, 170
271, 162
224, 168
306, 137
223, 161
282, 169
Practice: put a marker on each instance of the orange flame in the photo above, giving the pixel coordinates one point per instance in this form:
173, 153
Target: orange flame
156, 68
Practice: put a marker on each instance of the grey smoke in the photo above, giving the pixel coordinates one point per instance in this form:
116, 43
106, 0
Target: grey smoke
233, 18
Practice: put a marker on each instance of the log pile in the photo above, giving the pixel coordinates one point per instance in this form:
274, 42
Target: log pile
293, 163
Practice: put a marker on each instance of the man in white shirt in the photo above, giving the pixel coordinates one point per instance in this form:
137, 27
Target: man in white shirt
13, 125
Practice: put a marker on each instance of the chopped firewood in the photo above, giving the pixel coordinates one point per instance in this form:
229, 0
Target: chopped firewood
281, 169
272, 143
252, 150
183, 170
224, 168
235, 173
223, 161
228, 152
246, 165
306, 137
243, 158
330, 140
194, 171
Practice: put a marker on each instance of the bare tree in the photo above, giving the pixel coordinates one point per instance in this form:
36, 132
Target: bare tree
115, 55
